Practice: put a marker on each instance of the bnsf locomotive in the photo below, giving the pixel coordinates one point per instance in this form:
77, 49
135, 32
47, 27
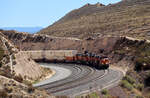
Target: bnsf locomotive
99, 62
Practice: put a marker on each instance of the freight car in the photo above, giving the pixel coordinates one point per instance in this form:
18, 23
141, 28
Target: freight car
99, 62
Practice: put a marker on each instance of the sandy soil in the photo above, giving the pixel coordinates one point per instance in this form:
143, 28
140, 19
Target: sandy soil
26, 67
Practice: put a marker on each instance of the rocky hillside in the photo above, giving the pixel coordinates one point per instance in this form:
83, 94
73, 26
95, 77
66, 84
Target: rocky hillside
124, 52
16, 59
26, 41
10, 88
17, 72
128, 18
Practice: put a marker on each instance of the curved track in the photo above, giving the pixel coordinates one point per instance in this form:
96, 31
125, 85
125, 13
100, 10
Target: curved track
82, 80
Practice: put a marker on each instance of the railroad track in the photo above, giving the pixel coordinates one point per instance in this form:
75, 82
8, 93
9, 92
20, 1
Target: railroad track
77, 74
81, 79
75, 83
72, 84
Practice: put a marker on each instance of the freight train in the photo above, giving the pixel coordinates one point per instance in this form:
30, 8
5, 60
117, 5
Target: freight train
99, 62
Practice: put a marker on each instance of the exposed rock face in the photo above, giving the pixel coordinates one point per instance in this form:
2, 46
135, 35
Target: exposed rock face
24, 37
32, 42
21, 63
41, 42
26, 67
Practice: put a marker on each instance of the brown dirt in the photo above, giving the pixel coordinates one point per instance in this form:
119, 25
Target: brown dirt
118, 92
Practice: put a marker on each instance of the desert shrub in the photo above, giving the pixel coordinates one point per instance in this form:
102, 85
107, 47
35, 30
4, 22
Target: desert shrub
27, 82
1, 53
9, 89
135, 85
5, 71
3, 94
147, 81
18, 78
143, 53
129, 79
121, 52
14, 62
138, 66
140, 86
1, 64
126, 84
142, 63
104, 91
13, 57
31, 89
93, 95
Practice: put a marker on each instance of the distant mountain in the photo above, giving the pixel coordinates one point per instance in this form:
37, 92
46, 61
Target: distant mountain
125, 18
23, 29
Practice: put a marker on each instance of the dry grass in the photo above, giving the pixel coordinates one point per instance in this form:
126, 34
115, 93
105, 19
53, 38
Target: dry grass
131, 18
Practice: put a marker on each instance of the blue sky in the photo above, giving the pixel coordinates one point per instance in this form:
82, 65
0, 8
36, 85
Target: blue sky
31, 13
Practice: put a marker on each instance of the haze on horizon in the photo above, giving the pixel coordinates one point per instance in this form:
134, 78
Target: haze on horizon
33, 13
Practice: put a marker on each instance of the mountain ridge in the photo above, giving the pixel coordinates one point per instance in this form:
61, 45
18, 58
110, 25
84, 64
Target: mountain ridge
128, 17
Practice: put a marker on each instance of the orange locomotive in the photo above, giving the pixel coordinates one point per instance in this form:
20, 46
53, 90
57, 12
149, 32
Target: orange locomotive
99, 62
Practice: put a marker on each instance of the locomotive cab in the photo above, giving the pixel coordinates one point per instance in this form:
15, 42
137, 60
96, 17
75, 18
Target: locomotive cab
104, 62
99, 62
